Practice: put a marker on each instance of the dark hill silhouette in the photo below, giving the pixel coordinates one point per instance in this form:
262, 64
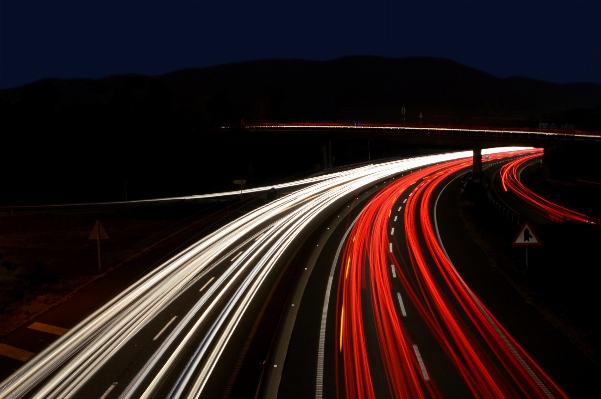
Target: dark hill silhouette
365, 87
79, 139
376, 88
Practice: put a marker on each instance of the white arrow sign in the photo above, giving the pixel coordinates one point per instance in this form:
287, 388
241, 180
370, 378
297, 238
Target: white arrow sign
526, 236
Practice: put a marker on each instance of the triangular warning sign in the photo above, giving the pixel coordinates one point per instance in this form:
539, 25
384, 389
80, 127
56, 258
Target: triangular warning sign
94, 234
526, 236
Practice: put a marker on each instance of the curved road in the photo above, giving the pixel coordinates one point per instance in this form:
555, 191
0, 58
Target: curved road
180, 330
401, 321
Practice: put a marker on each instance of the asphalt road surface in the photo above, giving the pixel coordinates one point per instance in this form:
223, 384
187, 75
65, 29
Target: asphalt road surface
455, 329
181, 329
201, 324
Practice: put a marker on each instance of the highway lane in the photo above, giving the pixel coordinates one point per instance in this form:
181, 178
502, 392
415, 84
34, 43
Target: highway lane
509, 178
482, 358
559, 357
494, 367
518, 198
509, 200
232, 266
497, 365
180, 273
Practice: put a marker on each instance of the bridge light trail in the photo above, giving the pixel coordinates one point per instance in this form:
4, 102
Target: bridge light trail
450, 131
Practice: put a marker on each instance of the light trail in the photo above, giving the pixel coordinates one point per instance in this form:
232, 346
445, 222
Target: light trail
491, 366
510, 180
260, 239
222, 194
403, 128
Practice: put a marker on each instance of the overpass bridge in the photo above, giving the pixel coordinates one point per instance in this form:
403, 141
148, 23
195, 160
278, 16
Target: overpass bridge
474, 137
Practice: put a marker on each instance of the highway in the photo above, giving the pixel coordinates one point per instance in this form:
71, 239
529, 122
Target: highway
180, 330
509, 176
490, 363
397, 318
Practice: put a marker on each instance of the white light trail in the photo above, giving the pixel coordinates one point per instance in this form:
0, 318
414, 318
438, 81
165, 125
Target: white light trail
63, 368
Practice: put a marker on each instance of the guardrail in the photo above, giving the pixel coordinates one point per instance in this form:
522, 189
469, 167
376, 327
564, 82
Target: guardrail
499, 206
503, 210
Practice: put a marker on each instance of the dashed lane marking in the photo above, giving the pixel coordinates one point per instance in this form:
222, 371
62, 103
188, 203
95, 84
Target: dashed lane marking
398, 295
164, 328
48, 328
421, 363
106, 393
207, 283
15, 353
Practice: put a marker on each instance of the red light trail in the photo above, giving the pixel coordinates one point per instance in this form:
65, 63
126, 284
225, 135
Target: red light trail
490, 363
552, 211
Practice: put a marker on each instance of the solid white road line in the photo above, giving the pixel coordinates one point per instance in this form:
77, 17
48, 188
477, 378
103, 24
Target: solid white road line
484, 312
393, 272
207, 283
106, 393
398, 295
421, 363
324, 313
436, 218
164, 328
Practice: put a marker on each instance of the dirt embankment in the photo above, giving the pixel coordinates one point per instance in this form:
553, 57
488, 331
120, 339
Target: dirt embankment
45, 257
561, 279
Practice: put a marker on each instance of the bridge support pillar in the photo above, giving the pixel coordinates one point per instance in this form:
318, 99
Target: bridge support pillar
477, 165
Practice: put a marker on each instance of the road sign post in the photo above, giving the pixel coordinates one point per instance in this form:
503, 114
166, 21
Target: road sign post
240, 182
526, 237
98, 233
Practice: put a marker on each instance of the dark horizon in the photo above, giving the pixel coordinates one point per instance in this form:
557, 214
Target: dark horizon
555, 41
259, 60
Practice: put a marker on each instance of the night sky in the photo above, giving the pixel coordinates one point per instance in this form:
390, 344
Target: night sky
558, 41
